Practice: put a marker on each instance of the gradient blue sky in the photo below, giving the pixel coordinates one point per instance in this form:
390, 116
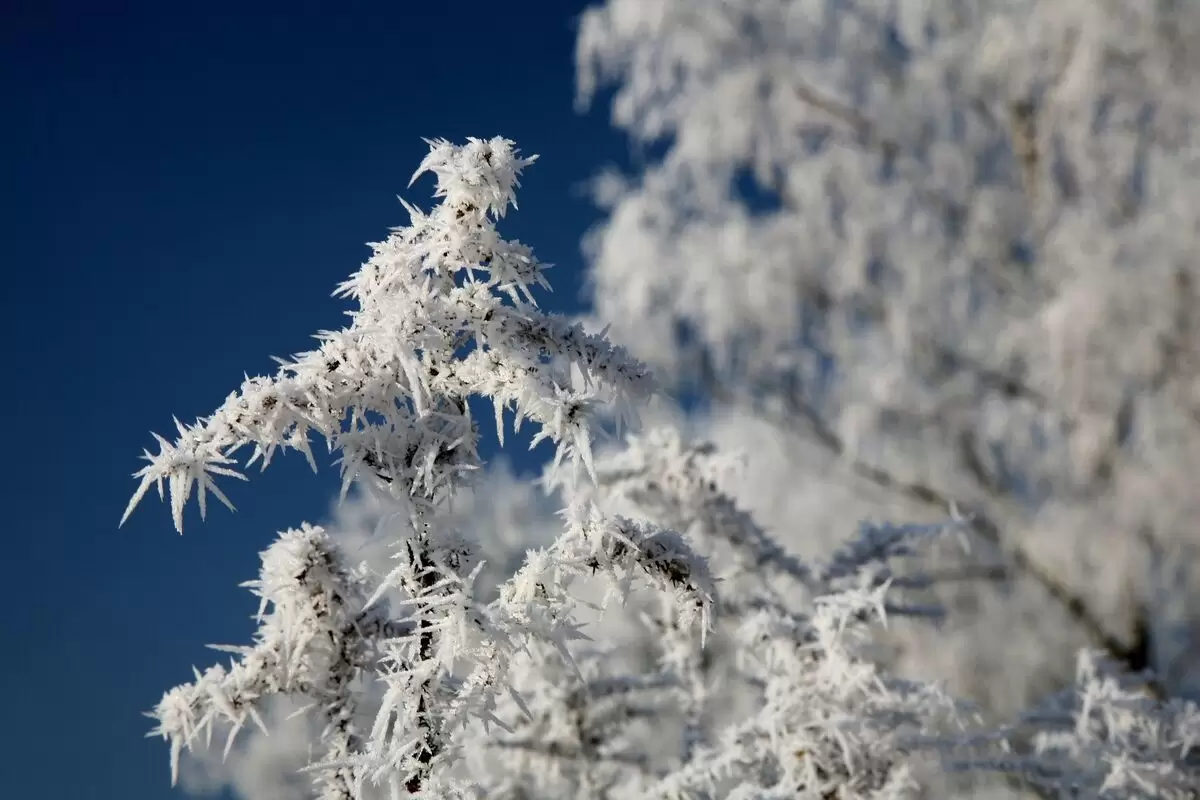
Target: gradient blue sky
184, 185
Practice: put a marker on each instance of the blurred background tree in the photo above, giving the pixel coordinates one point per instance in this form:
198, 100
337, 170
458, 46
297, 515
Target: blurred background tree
915, 255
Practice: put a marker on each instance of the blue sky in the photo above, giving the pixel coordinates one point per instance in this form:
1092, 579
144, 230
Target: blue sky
184, 185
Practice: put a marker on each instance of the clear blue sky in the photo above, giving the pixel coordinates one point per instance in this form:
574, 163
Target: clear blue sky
184, 184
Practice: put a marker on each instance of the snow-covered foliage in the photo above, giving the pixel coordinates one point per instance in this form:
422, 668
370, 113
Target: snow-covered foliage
664, 644
1110, 736
952, 245
317, 640
445, 313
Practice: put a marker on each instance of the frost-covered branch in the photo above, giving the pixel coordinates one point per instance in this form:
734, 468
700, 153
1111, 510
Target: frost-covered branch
445, 312
678, 484
1108, 736
316, 641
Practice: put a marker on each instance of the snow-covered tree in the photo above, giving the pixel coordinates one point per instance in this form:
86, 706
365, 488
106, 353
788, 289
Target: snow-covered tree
945, 251
445, 313
664, 644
